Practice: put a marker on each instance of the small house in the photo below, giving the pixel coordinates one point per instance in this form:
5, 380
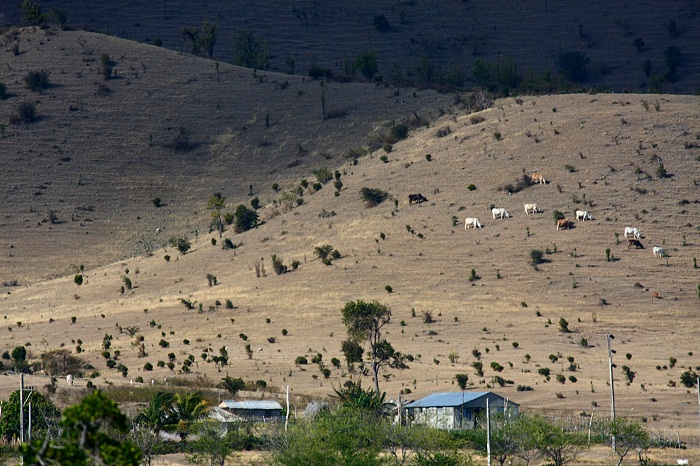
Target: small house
458, 410
253, 409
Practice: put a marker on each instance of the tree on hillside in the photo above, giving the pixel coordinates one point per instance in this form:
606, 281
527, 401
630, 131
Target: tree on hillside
216, 204
364, 323
232, 385
89, 434
366, 62
31, 13
202, 39
19, 359
250, 51
245, 219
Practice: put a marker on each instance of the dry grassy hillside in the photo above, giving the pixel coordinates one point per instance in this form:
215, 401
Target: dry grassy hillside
607, 147
101, 150
445, 33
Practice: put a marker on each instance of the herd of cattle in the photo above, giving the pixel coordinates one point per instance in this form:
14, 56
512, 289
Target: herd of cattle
631, 234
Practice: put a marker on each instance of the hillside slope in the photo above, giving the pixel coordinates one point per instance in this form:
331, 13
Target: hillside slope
102, 150
446, 34
606, 147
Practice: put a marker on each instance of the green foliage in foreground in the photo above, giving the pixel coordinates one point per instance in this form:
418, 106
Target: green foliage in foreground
89, 435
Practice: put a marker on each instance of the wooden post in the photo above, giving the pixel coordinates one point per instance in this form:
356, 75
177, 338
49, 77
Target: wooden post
286, 417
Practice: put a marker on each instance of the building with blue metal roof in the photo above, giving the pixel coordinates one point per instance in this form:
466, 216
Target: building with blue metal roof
458, 410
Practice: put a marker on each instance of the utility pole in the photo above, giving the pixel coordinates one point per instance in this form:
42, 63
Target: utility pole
488, 431
21, 408
611, 351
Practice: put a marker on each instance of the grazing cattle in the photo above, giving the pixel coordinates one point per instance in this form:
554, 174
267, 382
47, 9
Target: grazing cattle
632, 231
562, 224
496, 211
538, 178
415, 199
69, 379
658, 250
634, 243
655, 295
474, 222
583, 215
531, 207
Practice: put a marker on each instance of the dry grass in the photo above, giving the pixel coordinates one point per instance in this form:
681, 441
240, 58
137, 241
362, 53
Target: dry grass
426, 274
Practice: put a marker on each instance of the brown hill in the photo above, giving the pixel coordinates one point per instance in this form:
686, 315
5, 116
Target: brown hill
598, 152
100, 151
435, 36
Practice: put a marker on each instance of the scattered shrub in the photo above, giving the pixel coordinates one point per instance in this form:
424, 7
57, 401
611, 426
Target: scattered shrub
78, 279
25, 112
381, 24
373, 196
300, 360
37, 81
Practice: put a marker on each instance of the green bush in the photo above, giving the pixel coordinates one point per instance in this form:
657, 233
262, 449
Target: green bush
246, 219
366, 62
78, 279
163, 344
301, 360
182, 244
323, 175
536, 256
564, 326
37, 81
372, 196
25, 112
497, 367
471, 187
148, 366
229, 304
399, 131
3, 91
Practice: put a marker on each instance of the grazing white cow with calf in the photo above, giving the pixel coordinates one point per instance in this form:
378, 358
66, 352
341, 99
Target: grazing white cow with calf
474, 222
583, 215
501, 212
658, 250
531, 207
632, 231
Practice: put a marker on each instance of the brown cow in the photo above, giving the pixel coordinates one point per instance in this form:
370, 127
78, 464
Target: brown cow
655, 295
538, 178
562, 224
634, 243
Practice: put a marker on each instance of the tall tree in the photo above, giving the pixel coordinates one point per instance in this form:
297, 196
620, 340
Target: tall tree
216, 204
188, 407
158, 413
365, 323
89, 434
44, 415
249, 51
628, 436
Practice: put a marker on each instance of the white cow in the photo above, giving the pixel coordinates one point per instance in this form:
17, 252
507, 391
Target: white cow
531, 207
583, 215
69, 379
474, 222
658, 250
496, 211
632, 231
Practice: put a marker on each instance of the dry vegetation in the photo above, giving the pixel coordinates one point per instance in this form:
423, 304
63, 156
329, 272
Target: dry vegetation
91, 159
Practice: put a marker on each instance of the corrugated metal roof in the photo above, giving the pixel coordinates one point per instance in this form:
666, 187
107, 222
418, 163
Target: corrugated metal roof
450, 399
250, 404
